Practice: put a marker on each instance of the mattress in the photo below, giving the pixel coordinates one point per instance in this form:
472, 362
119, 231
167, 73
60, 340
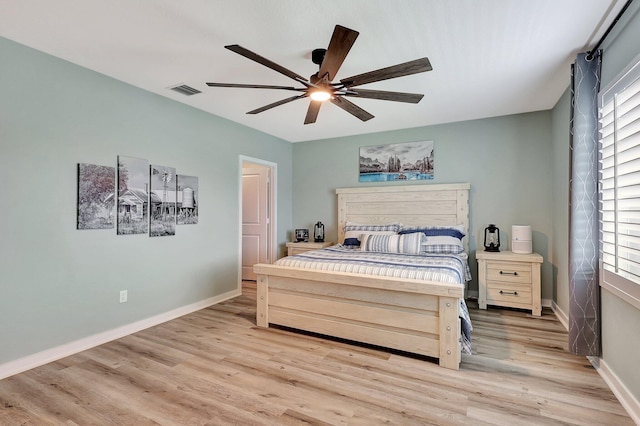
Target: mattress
440, 267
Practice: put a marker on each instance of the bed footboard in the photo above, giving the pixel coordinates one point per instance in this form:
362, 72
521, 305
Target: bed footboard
415, 316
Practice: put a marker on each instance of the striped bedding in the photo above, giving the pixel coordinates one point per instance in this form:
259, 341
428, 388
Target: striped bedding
447, 268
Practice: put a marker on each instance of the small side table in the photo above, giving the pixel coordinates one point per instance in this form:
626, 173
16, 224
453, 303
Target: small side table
297, 248
509, 279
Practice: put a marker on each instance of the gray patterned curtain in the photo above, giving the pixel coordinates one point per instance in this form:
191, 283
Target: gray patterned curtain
584, 303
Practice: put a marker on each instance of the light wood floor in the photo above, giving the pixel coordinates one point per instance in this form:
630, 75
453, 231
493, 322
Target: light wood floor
214, 367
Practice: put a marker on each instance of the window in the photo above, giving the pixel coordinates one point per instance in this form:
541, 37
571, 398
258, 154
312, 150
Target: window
619, 111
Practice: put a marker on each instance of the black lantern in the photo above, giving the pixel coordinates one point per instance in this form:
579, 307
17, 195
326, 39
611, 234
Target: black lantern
318, 233
491, 238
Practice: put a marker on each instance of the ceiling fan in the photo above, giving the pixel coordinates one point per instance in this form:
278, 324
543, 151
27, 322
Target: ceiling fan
320, 86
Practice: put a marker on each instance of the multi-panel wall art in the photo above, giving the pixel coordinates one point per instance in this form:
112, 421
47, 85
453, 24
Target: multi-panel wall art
133, 195
162, 201
150, 198
95, 196
187, 200
396, 162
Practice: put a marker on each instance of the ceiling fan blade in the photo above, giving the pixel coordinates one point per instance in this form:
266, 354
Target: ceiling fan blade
351, 108
254, 86
312, 112
341, 42
411, 98
275, 104
407, 68
264, 61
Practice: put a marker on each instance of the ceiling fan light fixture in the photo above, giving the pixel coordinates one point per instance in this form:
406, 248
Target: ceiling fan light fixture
320, 87
320, 95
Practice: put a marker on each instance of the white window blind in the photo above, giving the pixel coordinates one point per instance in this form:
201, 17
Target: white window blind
620, 181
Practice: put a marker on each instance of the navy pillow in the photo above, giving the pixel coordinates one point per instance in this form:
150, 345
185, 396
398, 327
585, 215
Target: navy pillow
353, 242
435, 232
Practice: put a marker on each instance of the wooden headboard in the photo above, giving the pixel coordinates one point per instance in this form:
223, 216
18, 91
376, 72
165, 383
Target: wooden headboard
437, 204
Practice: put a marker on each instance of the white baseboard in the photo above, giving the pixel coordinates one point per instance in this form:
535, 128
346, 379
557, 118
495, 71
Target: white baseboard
626, 398
561, 315
35, 360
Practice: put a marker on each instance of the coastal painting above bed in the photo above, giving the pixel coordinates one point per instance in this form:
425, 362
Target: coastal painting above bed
397, 162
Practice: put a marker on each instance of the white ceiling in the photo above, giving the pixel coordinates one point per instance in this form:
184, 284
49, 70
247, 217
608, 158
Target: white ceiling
489, 57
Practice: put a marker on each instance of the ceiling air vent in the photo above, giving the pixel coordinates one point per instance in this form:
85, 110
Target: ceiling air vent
185, 90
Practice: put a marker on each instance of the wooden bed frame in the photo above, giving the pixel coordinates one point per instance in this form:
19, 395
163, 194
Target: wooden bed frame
414, 316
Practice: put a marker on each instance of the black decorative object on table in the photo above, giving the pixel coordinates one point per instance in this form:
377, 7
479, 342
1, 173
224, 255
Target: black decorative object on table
302, 235
318, 233
491, 238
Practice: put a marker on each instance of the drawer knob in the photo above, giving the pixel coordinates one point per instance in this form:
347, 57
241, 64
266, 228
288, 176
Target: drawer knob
515, 293
515, 274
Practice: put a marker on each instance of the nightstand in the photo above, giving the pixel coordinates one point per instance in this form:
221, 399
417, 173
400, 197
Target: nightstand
297, 248
509, 279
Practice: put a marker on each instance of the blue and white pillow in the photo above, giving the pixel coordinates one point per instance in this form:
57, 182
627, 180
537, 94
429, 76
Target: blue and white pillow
353, 231
351, 226
395, 243
441, 244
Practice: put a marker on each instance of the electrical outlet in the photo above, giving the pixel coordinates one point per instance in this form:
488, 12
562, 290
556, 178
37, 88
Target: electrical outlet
123, 296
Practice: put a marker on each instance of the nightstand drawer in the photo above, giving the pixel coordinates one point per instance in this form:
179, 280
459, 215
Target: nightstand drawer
297, 250
500, 292
512, 272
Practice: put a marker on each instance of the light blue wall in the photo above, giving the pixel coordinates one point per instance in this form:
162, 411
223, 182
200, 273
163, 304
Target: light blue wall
620, 339
507, 160
59, 284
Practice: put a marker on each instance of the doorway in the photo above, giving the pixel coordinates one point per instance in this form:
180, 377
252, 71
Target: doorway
257, 215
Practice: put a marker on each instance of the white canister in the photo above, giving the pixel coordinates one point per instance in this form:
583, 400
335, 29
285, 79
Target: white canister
521, 239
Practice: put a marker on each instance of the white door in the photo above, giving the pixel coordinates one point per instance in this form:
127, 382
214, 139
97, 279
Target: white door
255, 219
